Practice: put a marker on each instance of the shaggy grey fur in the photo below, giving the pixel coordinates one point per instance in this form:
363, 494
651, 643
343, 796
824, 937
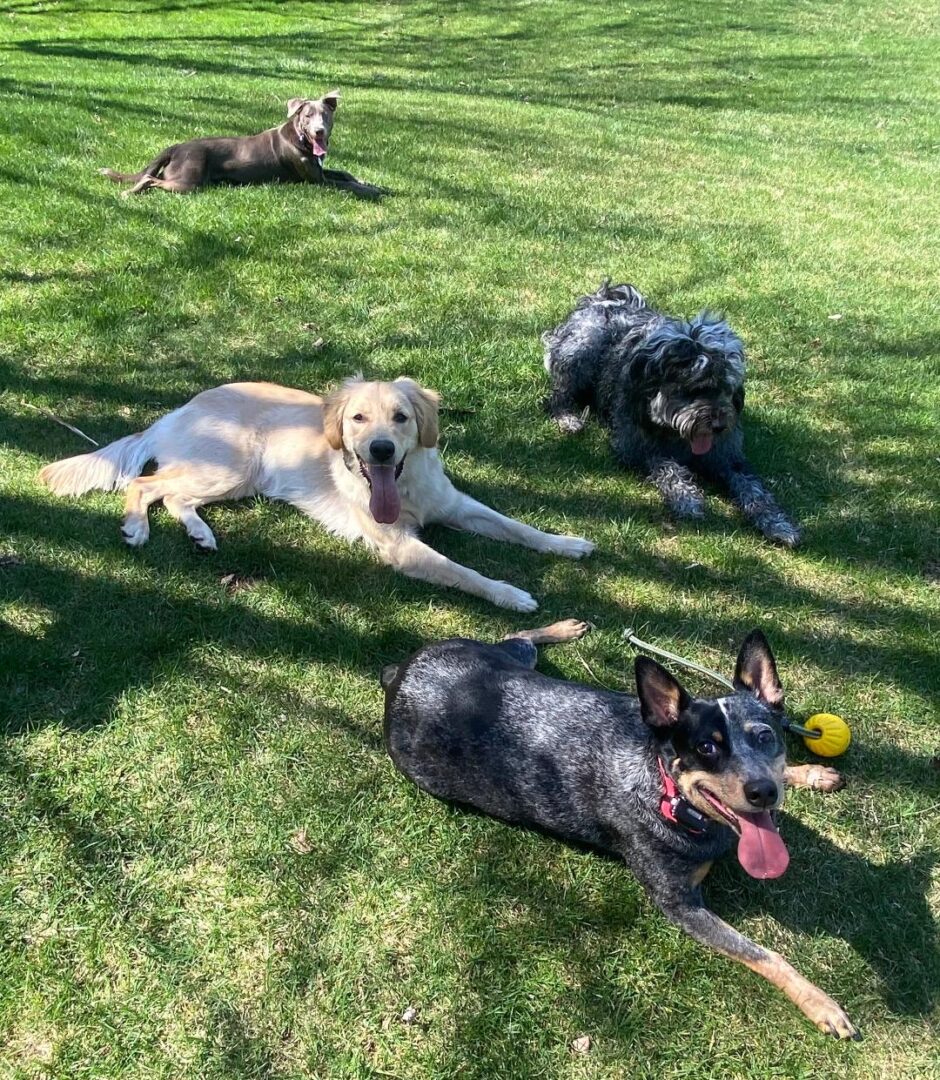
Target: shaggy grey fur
670, 392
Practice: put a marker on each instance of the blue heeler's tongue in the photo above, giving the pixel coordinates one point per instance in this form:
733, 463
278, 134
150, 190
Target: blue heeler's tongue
384, 502
760, 850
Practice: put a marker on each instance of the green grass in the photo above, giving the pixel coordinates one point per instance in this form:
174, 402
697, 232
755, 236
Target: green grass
209, 867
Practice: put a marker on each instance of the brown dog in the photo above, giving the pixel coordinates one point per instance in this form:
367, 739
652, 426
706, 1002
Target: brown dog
292, 153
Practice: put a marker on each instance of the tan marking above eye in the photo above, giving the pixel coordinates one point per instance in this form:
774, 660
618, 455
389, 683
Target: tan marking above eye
717, 737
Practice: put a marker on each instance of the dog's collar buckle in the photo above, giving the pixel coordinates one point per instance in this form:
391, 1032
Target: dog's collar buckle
677, 810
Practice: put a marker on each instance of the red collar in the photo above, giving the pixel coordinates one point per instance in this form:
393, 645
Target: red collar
674, 808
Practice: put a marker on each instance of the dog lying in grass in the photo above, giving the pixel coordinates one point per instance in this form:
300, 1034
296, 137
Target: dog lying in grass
293, 153
671, 393
362, 461
666, 781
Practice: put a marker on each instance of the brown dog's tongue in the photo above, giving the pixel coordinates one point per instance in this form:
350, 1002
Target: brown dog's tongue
701, 444
385, 502
760, 850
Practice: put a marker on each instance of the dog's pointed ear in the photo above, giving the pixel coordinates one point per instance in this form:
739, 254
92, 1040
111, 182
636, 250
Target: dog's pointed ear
426, 404
662, 697
331, 100
756, 671
295, 105
334, 405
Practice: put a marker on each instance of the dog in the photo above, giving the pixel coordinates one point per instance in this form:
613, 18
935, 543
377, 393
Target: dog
293, 153
362, 461
670, 392
666, 781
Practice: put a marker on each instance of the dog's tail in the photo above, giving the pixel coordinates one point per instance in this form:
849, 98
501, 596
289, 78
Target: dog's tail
629, 295
155, 167
112, 467
389, 675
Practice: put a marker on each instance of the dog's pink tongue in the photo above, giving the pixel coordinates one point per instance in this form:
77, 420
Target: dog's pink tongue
701, 444
385, 502
319, 148
760, 850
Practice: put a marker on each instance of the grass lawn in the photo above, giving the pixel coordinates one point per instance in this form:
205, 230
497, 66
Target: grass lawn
208, 866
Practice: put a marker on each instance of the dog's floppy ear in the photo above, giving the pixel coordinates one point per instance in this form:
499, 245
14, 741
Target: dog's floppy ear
426, 404
334, 405
331, 100
756, 671
295, 105
662, 697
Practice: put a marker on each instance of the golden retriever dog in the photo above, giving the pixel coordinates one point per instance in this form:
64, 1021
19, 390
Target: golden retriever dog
362, 461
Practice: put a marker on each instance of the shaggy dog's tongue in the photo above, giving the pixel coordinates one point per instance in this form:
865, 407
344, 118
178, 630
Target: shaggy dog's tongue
760, 850
384, 502
701, 444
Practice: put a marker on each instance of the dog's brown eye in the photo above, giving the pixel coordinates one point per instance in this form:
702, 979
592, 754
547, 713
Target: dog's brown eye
765, 736
358, 418
707, 749
399, 418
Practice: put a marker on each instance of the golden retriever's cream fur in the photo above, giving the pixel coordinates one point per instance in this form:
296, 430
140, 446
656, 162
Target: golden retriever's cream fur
362, 461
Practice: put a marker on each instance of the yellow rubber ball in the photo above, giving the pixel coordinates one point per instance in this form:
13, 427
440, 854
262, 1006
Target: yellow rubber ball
835, 737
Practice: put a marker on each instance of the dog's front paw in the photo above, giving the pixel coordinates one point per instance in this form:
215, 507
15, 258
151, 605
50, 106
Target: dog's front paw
829, 1016
688, 506
574, 547
781, 531
508, 596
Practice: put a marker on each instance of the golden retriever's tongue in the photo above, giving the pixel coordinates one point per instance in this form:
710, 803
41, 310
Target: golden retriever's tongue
760, 850
385, 502
701, 444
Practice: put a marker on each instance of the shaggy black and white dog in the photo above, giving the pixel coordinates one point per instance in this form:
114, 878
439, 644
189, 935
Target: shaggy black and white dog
671, 394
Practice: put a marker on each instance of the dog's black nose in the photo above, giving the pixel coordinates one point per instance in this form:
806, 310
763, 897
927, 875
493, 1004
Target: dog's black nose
382, 450
762, 793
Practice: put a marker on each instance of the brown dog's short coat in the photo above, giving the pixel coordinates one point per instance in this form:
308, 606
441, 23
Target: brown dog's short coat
292, 153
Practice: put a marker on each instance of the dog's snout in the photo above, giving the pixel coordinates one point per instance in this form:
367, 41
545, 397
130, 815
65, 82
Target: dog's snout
382, 450
760, 793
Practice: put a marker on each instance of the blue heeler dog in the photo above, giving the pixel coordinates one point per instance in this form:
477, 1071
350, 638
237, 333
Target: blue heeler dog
671, 394
666, 781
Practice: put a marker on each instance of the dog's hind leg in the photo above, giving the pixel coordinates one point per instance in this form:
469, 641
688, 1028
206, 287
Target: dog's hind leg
556, 633
141, 494
176, 486
183, 508
678, 488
